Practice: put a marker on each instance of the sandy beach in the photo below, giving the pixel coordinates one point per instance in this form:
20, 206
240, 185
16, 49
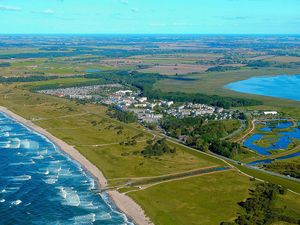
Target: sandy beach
123, 202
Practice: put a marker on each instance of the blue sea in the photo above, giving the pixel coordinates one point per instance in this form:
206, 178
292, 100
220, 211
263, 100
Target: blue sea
283, 86
39, 184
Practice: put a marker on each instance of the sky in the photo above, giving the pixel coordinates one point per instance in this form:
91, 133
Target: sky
150, 16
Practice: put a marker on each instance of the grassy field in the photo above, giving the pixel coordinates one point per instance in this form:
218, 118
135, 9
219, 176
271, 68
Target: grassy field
195, 200
176, 204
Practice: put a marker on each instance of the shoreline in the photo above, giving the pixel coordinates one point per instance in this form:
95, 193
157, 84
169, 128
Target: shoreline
123, 202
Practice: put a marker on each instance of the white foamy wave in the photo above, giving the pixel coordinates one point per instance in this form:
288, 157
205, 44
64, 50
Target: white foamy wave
65, 172
12, 189
88, 205
43, 152
5, 128
6, 134
15, 143
70, 196
85, 219
51, 179
22, 163
17, 202
2, 200
86, 202
28, 144
38, 157
106, 199
105, 216
21, 178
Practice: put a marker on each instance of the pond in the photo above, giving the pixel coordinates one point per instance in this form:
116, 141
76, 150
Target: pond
283, 139
92, 71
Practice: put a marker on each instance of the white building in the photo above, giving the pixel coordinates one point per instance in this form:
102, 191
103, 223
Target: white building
142, 99
273, 113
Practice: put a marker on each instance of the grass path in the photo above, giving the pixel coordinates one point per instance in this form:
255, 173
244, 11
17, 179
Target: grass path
143, 187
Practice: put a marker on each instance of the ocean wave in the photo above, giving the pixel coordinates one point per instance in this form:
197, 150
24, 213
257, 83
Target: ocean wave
2, 200
51, 179
17, 202
84, 219
70, 196
38, 157
22, 163
5, 128
21, 178
105, 216
43, 152
11, 189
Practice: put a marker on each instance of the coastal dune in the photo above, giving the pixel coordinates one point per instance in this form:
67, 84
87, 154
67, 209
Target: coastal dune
123, 202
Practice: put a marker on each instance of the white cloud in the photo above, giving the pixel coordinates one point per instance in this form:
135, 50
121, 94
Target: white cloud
124, 2
46, 11
9, 8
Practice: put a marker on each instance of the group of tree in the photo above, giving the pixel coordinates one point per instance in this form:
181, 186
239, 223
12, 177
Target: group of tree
260, 207
26, 79
286, 168
121, 115
222, 68
226, 148
203, 135
158, 148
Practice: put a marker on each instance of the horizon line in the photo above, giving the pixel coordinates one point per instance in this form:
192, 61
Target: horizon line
244, 34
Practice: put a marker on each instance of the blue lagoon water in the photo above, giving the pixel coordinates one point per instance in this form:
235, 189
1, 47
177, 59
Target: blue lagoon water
284, 139
267, 161
283, 86
41, 185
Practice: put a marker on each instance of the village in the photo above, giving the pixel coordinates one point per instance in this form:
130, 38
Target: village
147, 111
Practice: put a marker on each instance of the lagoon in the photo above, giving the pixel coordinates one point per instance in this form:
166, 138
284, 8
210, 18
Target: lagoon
282, 142
282, 86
